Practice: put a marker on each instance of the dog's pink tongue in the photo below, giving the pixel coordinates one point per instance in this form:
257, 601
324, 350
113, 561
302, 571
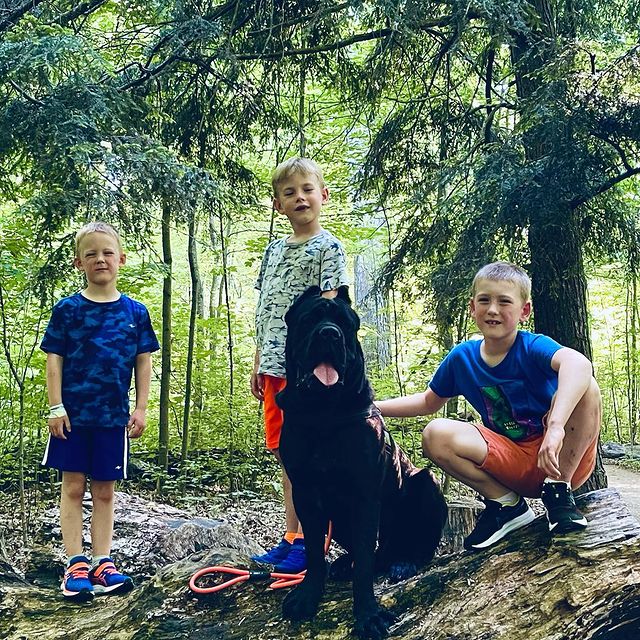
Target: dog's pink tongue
326, 374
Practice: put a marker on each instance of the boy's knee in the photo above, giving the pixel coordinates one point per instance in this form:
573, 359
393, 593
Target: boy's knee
102, 491
435, 435
592, 394
589, 407
73, 486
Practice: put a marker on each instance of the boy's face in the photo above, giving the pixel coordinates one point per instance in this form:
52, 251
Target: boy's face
497, 307
300, 197
99, 257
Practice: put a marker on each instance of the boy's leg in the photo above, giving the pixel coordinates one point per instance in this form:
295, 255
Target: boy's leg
76, 585
576, 461
581, 433
109, 460
291, 517
102, 517
289, 555
73, 488
459, 449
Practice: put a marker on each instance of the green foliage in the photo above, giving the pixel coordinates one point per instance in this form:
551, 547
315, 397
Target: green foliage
447, 132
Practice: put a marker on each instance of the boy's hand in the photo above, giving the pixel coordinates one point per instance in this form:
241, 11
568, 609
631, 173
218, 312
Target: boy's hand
549, 453
257, 385
137, 423
58, 425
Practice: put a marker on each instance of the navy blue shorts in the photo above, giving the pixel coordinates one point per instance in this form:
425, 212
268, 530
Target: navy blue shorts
100, 453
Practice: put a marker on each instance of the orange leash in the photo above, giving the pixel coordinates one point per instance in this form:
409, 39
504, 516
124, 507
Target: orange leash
281, 580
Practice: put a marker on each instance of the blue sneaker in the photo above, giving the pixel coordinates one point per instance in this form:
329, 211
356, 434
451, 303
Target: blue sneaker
275, 555
296, 560
105, 578
76, 585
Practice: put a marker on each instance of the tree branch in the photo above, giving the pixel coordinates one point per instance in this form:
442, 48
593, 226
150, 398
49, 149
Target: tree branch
605, 186
14, 16
26, 95
83, 9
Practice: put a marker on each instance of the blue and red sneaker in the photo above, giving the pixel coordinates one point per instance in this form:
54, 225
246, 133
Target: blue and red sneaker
296, 560
105, 578
275, 555
76, 585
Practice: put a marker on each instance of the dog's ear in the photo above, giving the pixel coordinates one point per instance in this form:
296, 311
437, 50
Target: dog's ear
343, 294
309, 293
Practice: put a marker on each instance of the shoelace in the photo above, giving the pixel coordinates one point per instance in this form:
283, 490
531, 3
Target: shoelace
78, 570
107, 567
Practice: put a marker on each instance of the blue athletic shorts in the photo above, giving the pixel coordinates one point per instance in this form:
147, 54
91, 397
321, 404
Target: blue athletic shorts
100, 453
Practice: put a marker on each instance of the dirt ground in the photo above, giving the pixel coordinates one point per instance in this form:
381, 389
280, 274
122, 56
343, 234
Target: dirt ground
628, 483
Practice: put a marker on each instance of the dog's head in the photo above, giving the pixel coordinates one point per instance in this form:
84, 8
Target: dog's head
323, 354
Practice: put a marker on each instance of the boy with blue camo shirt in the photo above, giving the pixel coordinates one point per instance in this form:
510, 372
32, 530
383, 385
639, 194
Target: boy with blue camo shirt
94, 341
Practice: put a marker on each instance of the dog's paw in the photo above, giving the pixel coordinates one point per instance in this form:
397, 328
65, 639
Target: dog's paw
374, 626
401, 571
341, 568
301, 603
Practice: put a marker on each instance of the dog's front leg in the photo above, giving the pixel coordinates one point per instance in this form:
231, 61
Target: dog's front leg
302, 602
371, 620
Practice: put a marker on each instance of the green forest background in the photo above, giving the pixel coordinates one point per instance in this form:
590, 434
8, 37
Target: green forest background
451, 134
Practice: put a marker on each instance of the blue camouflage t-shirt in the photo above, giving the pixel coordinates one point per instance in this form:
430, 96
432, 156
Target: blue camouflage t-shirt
99, 342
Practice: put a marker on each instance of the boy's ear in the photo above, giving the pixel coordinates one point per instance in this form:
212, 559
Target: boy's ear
526, 311
277, 205
123, 259
325, 194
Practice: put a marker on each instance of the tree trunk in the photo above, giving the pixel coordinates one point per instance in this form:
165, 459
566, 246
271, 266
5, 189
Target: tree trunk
195, 305
165, 375
559, 284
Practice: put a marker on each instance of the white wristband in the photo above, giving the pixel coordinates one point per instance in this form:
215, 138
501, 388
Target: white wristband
57, 411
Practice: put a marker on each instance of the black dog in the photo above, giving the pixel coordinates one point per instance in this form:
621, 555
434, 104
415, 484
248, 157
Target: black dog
345, 468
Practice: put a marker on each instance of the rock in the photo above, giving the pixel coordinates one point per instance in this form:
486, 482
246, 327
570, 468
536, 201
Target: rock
147, 536
530, 586
613, 450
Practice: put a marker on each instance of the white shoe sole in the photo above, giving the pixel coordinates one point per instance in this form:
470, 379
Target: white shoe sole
517, 523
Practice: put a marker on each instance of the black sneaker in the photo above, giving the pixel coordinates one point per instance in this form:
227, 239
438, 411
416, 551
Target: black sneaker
561, 508
496, 521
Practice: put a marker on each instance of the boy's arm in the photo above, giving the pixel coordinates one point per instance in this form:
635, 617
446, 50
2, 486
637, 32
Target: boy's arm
138, 419
257, 379
574, 377
331, 293
418, 404
58, 424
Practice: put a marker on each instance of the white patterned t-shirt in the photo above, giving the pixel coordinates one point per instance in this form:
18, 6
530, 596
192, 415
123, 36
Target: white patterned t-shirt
287, 270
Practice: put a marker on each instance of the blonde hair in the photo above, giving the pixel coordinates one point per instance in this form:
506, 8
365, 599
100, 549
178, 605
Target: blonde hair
303, 166
96, 227
505, 271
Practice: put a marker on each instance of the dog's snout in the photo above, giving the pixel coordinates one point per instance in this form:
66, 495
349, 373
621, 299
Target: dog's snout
329, 332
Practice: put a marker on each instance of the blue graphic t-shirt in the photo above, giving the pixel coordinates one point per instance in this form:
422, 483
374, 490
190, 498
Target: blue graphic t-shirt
99, 342
511, 397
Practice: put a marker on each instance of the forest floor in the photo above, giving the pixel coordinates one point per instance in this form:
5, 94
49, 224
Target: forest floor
628, 483
260, 518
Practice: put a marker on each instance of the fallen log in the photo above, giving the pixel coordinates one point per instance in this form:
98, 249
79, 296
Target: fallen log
582, 586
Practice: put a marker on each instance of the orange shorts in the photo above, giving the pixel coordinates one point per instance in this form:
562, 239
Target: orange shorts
272, 412
515, 464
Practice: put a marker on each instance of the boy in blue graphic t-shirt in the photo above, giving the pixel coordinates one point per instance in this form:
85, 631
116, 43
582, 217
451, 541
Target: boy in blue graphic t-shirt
94, 341
540, 408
